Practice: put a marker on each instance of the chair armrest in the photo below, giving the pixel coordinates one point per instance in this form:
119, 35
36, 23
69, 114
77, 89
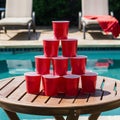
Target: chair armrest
111, 13
79, 20
2, 15
33, 17
79, 15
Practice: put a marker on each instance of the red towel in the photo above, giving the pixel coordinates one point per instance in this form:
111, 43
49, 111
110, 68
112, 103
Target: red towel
107, 23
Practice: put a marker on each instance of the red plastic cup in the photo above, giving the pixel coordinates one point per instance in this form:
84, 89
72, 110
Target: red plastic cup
42, 64
69, 47
60, 29
50, 47
88, 81
72, 84
61, 85
78, 64
32, 82
60, 65
50, 84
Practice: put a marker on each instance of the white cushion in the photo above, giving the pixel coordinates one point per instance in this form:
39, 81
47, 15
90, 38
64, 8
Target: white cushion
95, 7
15, 21
89, 21
18, 8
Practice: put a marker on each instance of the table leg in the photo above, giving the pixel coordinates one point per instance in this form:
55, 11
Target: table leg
57, 117
12, 115
94, 116
72, 116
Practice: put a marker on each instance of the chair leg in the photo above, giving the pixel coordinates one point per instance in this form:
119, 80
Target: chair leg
94, 116
84, 30
29, 27
112, 37
33, 22
34, 27
5, 30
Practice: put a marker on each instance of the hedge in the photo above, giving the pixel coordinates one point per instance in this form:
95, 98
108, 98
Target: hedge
48, 10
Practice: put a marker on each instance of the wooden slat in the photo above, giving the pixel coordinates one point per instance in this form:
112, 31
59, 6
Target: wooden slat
41, 99
20, 91
53, 100
28, 97
99, 82
11, 86
95, 97
67, 100
108, 89
117, 92
3, 82
81, 99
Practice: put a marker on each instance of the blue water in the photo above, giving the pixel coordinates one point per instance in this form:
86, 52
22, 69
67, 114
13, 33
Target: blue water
17, 64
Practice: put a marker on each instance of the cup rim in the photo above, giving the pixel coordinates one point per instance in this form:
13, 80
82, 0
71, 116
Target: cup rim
60, 21
90, 74
51, 76
42, 57
71, 76
69, 39
60, 58
31, 74
79, 57
50, 40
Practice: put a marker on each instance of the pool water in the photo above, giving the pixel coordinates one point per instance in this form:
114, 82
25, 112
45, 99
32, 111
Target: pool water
105, 63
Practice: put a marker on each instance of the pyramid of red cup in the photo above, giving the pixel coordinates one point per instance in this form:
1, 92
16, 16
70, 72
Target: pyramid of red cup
52, 70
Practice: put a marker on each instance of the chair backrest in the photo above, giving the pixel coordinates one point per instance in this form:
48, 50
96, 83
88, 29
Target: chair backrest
95, 7
18, 8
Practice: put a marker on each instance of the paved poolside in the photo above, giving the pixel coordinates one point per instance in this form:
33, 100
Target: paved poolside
18, 38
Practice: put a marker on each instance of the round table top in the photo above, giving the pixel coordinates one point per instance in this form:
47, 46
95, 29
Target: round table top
13, 97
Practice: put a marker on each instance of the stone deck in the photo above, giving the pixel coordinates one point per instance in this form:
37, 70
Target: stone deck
19, 38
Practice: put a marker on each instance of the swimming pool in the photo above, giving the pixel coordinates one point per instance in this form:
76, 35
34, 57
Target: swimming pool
104, 62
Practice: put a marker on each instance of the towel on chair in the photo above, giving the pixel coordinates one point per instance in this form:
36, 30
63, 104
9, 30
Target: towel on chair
107, 23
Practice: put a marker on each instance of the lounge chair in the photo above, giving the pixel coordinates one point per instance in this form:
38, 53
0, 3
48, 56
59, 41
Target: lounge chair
18, 13
94, 9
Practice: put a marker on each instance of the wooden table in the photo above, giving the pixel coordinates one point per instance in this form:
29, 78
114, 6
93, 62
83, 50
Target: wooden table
14, 98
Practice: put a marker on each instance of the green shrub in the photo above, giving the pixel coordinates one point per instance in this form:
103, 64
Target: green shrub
48, 10
114, 6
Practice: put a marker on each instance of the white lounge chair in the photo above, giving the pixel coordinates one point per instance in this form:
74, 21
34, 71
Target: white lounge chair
92, 7
18, 13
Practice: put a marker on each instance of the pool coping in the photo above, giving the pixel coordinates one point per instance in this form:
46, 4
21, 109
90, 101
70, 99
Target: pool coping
10, 40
